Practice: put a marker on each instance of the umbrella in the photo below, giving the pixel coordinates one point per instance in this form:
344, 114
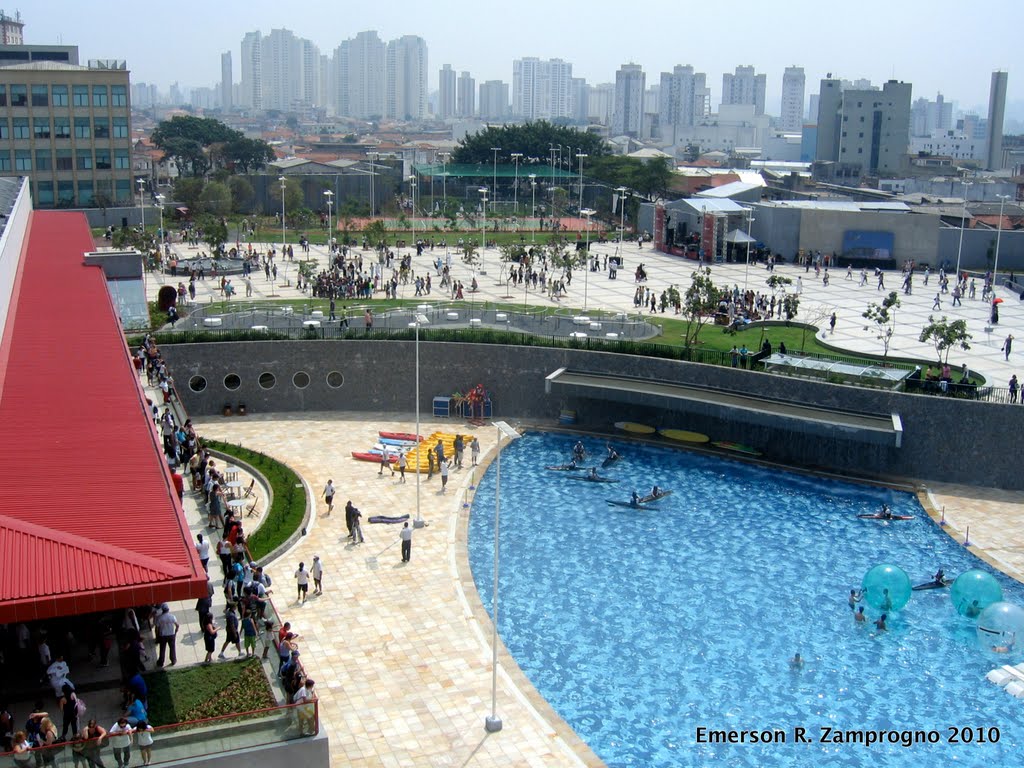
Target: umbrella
997, 301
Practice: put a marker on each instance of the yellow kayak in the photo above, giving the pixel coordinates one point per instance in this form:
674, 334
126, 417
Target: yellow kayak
684, 436
418, 453
636, 429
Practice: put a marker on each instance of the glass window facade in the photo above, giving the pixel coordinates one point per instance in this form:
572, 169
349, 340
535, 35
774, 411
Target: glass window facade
65, 160
83, 159
41, 128
85, 193
5, 129
122, 159
40, 96
102, 159
5, 160
22, 160
59, 97
118, 96
44, 193
44, 160
101, 128
99, 95
123, 190
20, 125
120, 127
83, 128
80, 96
61, 128
65, 193
19, 95
3, 95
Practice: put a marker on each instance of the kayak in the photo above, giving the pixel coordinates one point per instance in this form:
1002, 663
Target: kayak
932, 585
565, 468
880, 516
609, 460
684, 436
367, 456
396, 442
636, 429
628, 504
726, 445
651, 497
589, 479
388, 518
408, 437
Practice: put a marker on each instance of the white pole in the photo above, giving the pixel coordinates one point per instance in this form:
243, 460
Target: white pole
533, 208
142, 207
999, 234
330, 199
750, 227
412, 185
494, 179
483, 235
963, 218
515, 188
587, 213
493, 723
579, 170
419, 445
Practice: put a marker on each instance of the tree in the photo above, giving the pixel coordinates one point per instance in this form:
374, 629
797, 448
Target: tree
293, 196
700, 302
376, 232
215, 231
198, 144
884, 317
215, 199
533, 139
188, 191
248, 155
241, 194
944, 335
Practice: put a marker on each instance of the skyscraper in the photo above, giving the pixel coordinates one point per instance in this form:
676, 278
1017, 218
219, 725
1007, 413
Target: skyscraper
494, 100
744, 87
226, 93
792, 114
281, 64
627, 118
869, 128
996, 114
578, 96
359, 72
252, 71
405, 78
680, 100
541, 90
446, 92
465, 100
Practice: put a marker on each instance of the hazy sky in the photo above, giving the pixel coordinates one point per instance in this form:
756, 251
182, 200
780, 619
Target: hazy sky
940, 45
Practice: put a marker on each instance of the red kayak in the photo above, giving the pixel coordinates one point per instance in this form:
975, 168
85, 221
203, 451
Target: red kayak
407, 436
366, 456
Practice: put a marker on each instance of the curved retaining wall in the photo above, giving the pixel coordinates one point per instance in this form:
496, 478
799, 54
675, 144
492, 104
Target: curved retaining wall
944, 439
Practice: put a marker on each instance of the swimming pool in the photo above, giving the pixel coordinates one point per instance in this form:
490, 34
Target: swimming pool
641, 627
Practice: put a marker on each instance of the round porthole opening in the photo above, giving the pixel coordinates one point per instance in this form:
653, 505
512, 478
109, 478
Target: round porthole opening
197, 383
300, 380
267, 380
335, 379
232, 381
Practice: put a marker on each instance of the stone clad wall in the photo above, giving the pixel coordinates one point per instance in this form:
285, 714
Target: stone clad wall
944, 439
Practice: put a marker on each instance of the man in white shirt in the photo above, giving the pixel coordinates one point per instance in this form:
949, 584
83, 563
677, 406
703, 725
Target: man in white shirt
203, 549
306, 713
58, 674
302, 581
166, 629
406, 535
329, 497
318, 575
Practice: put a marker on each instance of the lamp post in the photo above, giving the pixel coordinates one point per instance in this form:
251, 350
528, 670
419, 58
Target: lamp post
412, 186
963, 217
160, 207
492, 724
142, 208
533, 208
516, 156
579, 169
444, 179
622, 217
494, 178
373, 201
419, 319
750, 224
330, 232
483, 233
587, 213
999, 233
284, 184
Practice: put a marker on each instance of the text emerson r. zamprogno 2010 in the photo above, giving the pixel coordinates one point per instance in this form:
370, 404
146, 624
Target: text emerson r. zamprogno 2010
827, 734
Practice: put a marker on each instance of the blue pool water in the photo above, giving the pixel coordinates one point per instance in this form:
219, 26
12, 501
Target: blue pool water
639, 627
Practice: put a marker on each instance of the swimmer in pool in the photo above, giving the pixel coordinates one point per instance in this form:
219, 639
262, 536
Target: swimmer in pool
973, 610
855, 597
887, 602
634, 499
797, 662
655, 491
593, 474
940, 576
880, 623
886, 513
859, 615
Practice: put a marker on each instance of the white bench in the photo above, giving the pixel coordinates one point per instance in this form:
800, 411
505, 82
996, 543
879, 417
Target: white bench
578, 335
474, 322
317, 314
260, 328
581, 320
452, 316
501, 317
595, 326
611, 336
310, 323
213, 322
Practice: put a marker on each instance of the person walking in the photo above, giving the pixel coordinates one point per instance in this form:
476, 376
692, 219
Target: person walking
406, 536
444, 476
402, 463
1014, 387
329, 497
1008, 345
937, 304
474, 448
302, 582
357, 529
832, 323
166, 629
209, 637
203, 550
231, 630
317, 572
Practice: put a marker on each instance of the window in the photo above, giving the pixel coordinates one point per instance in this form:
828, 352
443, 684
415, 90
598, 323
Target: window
22, 160
101, 128
41, 128
65, 160
99, 95
21, 128
118, 96
83, 160
197, 383
232, 381
123, 191
65, 193
5, 161
85, 193
83, 129
5, 129
19, 96
120, 127
3, 95
44, 161
44, 193
267, 380
122, 159
59, 95
61, 128
40, 96
80, 96
102, 159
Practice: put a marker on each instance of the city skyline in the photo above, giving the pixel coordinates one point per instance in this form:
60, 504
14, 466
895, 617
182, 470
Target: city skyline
481, 43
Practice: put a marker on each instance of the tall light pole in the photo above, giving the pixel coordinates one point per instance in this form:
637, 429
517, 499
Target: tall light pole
533, 208
284, 184
622, 217
160, 207
494, 179
492, 724
963, 221
419, 319
579, 170
587, 213
330, 232
373, 201
516, 156
142, 208
483, 233
444, 179
750, 226
412, 186
999, 233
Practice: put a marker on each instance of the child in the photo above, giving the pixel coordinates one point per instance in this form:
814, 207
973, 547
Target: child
145, 741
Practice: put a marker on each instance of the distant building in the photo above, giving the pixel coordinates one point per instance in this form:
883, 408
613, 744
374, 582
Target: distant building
996, 114
953, 144
683, 100
359, 76
930, 117
252, 71
627, 118
864, 129
405, 78
744, 87
68, 128
601, 103
494, 100
541, 88
465, 98
792, 114
226, 96
446, 92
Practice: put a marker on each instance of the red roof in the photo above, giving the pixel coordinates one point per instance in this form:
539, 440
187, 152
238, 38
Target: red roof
89, 519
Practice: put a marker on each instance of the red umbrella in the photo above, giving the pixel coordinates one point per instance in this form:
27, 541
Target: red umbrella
997, 301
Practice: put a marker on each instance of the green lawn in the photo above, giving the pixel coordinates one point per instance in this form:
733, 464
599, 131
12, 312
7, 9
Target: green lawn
208, 690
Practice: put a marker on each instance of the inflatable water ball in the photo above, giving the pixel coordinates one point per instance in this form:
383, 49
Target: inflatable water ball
974, 591
1001, 627
886, 587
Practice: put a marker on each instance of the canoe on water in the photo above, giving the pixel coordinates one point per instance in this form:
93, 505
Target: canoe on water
651, 497
628, 504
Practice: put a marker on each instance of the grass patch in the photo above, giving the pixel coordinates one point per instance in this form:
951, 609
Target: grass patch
289, 507
209, 690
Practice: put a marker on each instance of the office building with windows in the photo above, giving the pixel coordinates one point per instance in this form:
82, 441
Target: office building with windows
68, 128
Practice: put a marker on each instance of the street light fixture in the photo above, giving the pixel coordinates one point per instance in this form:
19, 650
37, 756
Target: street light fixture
587, 213
579, 170
330, 232
412, 186
445, 156
999, 233
494, 180
492, 724
750, 225
373, 201
533, 208
483, 233
419, 319
963, 218
142, 208
516, 157
622, 217
160, 207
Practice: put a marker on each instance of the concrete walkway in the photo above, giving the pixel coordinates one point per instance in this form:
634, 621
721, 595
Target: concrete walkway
595, 291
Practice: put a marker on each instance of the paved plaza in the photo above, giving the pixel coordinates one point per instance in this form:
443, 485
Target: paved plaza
401, 652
